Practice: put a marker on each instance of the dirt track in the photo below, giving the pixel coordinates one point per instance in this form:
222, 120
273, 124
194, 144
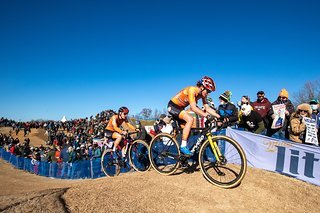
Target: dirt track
260, 191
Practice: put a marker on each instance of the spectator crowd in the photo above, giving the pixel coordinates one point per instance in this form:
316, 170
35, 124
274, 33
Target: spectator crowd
72, 141
278, 119
67, 141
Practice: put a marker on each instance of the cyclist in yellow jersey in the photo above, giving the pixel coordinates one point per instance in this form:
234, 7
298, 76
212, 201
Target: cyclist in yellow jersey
113, 130
189, 96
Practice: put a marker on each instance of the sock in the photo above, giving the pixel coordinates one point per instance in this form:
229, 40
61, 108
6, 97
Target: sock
183, 143
114, 148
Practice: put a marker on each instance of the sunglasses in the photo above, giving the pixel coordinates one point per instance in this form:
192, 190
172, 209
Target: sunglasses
305, 111
283, 97
208, 91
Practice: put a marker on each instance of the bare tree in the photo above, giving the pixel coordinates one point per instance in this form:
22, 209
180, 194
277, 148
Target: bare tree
156, 113
138, 116
146, 112
310, 90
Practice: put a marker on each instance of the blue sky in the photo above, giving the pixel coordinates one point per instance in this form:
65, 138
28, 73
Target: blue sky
77, 58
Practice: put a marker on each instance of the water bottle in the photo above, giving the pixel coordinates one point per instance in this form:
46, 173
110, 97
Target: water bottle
196, 146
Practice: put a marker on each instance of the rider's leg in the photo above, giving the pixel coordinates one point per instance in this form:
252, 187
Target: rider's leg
124, 149
186, 130
117, 141
189, 121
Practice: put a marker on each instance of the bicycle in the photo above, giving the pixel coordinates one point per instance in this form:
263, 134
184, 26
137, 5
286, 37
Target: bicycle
135, 150
221, 159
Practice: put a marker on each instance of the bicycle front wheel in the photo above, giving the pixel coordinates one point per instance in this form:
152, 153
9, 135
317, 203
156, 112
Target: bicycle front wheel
230, 170
164, 154
109, 164
139, 156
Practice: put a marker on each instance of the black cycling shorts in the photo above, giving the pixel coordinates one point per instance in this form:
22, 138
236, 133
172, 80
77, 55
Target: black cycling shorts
108, 133
174, 110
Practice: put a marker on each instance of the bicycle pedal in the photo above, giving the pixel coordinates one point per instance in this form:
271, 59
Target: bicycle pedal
184, 158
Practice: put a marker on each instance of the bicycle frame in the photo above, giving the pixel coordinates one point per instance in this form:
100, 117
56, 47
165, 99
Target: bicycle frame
125, 159
206, 132
221, 159
129, 142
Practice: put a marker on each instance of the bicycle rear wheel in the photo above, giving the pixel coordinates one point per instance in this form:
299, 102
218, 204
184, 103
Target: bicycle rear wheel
109, 164
164, 154
232, 167
139, 156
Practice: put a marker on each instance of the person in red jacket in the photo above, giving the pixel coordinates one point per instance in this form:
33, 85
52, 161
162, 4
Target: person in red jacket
262, 105
12, 149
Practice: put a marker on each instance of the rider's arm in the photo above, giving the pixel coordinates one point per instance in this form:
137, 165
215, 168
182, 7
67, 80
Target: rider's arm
133, 128
193, 104
211, 111
197, 110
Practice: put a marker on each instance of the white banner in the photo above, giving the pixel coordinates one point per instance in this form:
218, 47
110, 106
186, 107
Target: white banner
289, 158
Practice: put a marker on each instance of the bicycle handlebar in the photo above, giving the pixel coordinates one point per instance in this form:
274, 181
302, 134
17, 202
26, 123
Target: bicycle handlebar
132, 133
211, 123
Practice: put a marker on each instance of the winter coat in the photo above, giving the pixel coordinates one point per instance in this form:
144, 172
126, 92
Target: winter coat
297, 128
229, 111
262, 107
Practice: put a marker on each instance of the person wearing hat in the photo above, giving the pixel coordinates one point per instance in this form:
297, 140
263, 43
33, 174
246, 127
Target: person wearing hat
262, 105
297, 128
281, 132
228, 112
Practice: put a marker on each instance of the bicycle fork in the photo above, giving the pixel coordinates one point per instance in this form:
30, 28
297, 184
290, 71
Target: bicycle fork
215, 148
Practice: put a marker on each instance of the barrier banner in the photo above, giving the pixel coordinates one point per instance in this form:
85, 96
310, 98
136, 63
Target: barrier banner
289, 158
76, 170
